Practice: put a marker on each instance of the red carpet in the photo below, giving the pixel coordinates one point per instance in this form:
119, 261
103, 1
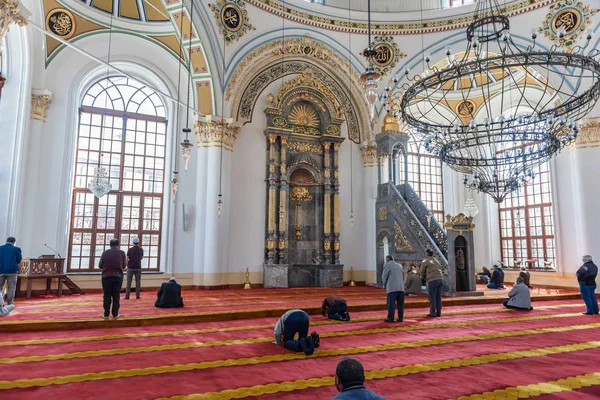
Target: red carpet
471, 350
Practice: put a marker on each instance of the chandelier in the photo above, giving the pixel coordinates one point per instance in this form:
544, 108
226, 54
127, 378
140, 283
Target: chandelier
370, 78
497, 111
100, 185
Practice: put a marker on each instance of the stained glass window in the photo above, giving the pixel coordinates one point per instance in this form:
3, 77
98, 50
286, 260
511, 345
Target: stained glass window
122, 127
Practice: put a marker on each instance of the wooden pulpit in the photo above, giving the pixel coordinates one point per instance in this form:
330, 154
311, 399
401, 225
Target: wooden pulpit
41, 268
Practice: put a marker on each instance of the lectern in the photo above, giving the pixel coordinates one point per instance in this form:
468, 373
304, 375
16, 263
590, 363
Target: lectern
41, 268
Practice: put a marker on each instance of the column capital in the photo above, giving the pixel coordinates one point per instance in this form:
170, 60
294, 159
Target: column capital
369, 155
213, 131
589, 136
12, 12
40, 101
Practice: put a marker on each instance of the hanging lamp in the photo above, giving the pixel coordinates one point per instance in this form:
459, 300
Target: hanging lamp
100, 184
186, 145
370, 78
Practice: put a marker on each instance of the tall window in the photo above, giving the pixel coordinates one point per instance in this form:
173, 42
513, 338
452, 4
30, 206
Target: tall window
425, 177
122, 127
527, 225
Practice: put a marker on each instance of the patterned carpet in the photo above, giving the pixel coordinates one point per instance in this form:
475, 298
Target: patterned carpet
475, 351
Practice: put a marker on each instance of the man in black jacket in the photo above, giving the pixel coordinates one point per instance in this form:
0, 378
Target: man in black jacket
586, 276
497, 281
169, 295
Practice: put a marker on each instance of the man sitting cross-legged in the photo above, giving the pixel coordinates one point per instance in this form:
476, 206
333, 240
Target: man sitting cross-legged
291, 323
519, 296
335, 308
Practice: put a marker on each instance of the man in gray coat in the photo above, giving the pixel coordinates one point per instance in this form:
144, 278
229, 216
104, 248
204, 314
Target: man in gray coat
519, 296
393, 281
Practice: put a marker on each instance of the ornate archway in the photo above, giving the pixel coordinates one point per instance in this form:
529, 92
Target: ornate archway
303, 198
265, 65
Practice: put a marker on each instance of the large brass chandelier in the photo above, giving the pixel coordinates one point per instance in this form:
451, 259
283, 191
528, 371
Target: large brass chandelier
370, 78
497, 111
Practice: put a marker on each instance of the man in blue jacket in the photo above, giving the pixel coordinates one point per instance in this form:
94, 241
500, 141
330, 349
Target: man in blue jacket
349, 381
10, 257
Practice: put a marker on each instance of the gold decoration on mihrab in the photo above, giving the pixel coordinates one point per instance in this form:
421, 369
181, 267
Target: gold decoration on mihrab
304, 115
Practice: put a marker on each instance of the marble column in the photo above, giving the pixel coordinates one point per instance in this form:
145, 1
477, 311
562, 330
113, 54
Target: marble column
327, 203
270, 242
336, 204
283, 203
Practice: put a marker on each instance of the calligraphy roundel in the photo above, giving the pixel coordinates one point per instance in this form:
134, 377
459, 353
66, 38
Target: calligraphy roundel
568, 18
384, 54
61, 22
232, 17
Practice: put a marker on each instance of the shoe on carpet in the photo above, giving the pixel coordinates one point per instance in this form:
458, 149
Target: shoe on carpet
125, 298
116, 316
387, 320
105, 317
310, 345
316, 339
431, 315
587, 313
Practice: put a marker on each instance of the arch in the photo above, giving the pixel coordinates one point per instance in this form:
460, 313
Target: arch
303, 52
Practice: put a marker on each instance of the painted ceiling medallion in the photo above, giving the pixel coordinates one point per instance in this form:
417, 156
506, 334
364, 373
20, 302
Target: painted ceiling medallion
232, 18
304, 115
61, 22
387, 54
568, 17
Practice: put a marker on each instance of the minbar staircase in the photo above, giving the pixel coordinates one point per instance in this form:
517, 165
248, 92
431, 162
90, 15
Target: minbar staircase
71, 285
402, 218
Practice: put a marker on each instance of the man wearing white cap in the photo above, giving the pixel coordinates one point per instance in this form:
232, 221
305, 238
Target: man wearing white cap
134, 267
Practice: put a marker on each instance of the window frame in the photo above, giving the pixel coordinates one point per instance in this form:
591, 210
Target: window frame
528, 207
117, 231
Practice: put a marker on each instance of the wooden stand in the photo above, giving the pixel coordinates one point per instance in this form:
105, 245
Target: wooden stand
41, 268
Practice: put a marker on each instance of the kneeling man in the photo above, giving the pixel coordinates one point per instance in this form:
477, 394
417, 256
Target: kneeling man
335, 308
519, 297
169, 295
291, 323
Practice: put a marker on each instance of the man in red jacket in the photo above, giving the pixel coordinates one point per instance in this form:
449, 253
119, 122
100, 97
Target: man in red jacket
112, 264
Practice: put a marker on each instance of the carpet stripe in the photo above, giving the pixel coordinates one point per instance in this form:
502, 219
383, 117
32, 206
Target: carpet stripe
539, 389
301, 384
195, 344
93, 376
251, 327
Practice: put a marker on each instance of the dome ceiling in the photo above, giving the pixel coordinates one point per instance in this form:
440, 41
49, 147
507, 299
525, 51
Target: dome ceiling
385, 6
136, 10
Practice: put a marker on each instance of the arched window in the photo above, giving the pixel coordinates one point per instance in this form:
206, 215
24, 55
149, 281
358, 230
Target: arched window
122, 127
527, 225
425, 177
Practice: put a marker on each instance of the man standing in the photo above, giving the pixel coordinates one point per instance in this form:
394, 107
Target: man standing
586, 276
350, 380
519, 296
431, 270
290, 323
169, 295
112, 263
335, 308
10, 257
497, 281
393, 281
134, 267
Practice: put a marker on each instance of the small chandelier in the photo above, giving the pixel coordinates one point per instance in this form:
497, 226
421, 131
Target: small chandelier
174, 184
370, 78
186, 149
100, 185
497, 111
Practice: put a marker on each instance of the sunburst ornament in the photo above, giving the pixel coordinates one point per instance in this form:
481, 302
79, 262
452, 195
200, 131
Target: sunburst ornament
304, 115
